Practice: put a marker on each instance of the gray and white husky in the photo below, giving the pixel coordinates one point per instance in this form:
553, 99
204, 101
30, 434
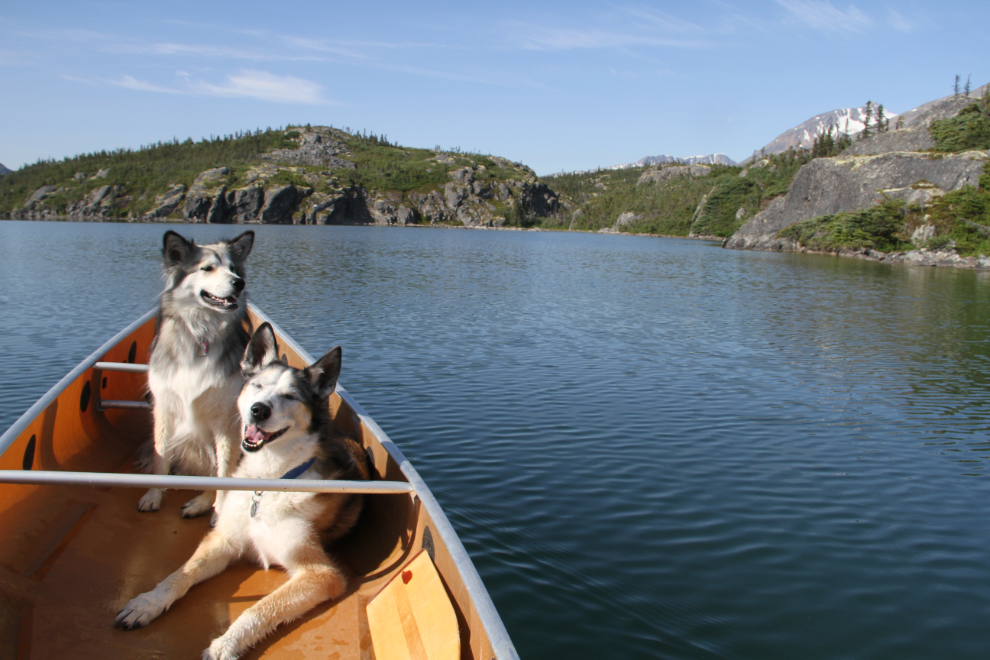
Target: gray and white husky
288, 434
194, 373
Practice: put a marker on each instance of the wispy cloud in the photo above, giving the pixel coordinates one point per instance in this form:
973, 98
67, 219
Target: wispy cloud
529, 37
322, 46
266, 87
823, 15
664, 21
897, 21
129, 82
197, 50
11, 58
260, 85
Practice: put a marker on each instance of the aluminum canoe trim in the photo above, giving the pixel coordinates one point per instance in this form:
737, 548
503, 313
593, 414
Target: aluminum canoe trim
122, 366
498, 636
39, 406
180, 482
107, 404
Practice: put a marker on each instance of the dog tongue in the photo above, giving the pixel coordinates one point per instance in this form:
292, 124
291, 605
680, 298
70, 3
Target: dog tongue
255, 435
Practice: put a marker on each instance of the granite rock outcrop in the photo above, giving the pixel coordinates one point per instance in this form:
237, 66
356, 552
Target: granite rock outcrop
854, 182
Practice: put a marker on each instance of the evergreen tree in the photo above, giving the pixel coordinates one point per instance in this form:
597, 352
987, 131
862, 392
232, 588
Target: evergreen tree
955, 88
967, 83
882, 123
865, 133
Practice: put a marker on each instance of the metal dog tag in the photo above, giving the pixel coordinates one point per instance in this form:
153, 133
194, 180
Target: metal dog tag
254, 507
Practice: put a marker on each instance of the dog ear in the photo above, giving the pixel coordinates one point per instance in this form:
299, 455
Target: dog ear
261, 351
175, 248
241, 246
323, 373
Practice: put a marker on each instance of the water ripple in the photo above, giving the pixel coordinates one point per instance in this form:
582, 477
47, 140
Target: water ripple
651, 448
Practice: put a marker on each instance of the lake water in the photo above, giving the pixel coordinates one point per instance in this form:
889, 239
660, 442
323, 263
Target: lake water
650, 447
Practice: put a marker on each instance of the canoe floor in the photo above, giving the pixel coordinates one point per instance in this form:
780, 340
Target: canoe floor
87, 551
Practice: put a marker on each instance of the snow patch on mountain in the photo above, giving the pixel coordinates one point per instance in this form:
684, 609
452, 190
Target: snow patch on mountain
663, 159
708, 159
844, 120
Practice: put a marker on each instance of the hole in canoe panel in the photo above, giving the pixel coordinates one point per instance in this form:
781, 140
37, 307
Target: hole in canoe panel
84, 397
28, 462
132, 353
104, 385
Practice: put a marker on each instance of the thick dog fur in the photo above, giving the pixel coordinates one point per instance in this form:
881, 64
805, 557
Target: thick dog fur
286, 423
193, 372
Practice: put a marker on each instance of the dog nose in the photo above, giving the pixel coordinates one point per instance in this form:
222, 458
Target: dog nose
260, 412
238, 284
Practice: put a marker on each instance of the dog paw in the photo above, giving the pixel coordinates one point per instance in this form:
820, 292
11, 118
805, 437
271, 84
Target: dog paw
152, 500
222, 648
197, 506
138, 613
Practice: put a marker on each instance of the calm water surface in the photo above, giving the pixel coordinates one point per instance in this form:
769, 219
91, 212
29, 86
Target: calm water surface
650, 447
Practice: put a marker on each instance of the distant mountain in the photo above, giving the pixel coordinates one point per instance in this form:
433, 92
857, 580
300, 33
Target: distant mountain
845, 120
4, 170
710, 159
663, 159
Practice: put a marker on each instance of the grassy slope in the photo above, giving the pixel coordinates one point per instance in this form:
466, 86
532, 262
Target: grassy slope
151, 170
144, 173
669, 207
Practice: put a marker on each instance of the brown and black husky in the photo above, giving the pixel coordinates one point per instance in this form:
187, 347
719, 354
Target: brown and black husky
288, 434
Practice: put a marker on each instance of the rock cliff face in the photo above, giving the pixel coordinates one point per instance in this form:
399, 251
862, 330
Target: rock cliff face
309, 185
850, 183
914, 136
315, 148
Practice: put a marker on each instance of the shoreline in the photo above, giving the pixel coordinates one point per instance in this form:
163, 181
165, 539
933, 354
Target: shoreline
922, 257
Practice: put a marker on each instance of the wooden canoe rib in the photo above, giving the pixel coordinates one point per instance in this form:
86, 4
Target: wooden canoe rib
71, 556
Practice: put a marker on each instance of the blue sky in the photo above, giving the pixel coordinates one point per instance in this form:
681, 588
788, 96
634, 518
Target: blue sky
556, 85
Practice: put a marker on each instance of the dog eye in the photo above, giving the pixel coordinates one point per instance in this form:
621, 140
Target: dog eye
256, 385
207, 269
290, 397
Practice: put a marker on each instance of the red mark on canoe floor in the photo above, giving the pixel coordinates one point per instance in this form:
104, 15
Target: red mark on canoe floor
406, 576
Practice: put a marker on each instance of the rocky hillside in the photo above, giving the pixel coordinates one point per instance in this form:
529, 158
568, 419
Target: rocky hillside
927, 182
846, 120
4, 170
672, 199
302, 175
851, 121
851, 183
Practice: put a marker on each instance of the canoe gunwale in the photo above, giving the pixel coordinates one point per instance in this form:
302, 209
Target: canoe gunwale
495, 630
488, 616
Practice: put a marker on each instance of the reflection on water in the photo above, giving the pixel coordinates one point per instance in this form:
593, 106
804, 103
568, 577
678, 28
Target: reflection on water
650, 447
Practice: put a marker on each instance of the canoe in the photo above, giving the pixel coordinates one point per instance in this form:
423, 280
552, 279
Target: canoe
73, 555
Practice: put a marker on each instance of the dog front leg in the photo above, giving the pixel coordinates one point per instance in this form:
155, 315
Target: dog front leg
228, 454
309, 586
152, 500
212, 556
